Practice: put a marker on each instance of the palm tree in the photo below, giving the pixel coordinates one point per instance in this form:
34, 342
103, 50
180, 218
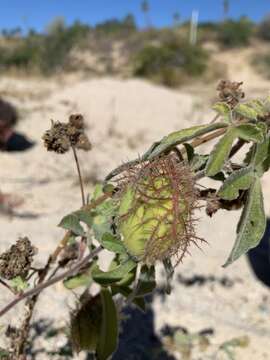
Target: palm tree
226, 6
145, 9
176, 19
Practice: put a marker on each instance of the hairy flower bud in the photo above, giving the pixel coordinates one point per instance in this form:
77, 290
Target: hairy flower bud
156, 210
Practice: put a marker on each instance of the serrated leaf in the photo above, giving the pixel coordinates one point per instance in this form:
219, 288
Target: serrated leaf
82, 279
220, 153
72, 222
250, 132
251, 225
180, 137
108, 338
112, 243
147, 281
224, 110
246, 111
113, 276
238, 180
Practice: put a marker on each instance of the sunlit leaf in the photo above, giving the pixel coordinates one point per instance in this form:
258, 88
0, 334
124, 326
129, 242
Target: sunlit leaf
220, 153
182, 136
82, 279
238, 180
72, 222
18, 284
113, 276
224, 110
246, 111
251, 225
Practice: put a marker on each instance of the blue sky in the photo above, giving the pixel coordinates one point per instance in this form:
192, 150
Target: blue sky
38, 13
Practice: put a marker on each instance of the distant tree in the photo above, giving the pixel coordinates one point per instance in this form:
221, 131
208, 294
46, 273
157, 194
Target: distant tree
146, 9
57, 25
176, 19
226, 7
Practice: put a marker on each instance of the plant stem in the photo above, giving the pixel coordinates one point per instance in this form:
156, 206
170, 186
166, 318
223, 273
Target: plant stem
37, 289
79, 174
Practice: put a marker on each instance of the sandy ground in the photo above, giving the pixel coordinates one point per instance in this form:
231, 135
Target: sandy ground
123, 119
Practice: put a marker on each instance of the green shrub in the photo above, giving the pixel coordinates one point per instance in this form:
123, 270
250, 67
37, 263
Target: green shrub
115, 26
170, 62
235, 33
264, 29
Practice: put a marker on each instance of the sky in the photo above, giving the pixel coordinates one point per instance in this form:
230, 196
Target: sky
38, 13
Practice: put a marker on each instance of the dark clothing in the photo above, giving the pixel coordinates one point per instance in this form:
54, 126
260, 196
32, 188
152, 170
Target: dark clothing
259, 257
16, 142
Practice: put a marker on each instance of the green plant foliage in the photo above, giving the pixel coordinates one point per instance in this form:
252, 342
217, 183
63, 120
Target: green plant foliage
252, 223
146, 283
170, 62
235, 33
82, 279
108, 337
238, 180
224, 110
113, 276
180, 137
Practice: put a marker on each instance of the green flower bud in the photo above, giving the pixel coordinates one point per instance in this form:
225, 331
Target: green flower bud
156, 210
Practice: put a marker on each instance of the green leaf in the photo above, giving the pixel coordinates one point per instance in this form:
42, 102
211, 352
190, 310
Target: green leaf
180, 137
224, 110
108, 338
246, 111
262, 157
250, 132
113, 276
238, 180
199, 161
251, 225
112, 243
189, 151
147, 281
4, 354
18, 284
82, 279
72, 222
220, 153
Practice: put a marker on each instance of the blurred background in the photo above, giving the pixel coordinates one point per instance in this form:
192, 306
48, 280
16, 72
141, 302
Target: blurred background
136, 70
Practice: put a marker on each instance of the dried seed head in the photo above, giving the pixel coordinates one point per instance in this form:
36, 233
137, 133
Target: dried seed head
230, 92
157, 203
17, 260
85, 324
62, 136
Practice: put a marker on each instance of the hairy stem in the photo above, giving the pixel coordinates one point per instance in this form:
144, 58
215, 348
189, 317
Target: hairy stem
79, 174
37, 289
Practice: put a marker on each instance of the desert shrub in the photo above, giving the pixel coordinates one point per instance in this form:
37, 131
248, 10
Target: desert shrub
116, 26
170, 62
235, 33
263, 30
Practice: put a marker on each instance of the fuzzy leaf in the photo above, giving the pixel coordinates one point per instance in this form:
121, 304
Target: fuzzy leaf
246, 111
102, 219
220, 153
108, 338
72, 222
251, 225
262, 156
112, 243
238, 180
147, 281
83, 279
224, 110
258, 106
250, 132
182, 136
113, 276
199, 161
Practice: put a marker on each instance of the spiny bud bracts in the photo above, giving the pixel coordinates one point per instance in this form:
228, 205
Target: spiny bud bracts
157, 203
17, 260
62, 136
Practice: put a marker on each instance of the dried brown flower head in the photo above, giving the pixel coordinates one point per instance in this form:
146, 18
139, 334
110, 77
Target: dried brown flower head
230, 92
17, 260
61, 136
